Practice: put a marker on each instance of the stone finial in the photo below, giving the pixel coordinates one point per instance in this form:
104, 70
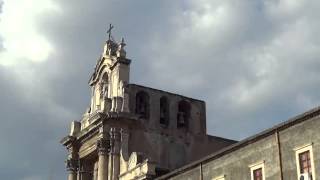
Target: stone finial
123, 44
121, 51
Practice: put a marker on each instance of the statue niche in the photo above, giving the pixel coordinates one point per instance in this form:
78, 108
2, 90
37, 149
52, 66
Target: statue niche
104, 90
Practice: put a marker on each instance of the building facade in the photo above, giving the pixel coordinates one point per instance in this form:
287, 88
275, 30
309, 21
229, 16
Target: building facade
134, 132
289, 151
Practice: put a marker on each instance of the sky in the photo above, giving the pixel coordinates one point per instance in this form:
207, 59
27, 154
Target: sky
255, 63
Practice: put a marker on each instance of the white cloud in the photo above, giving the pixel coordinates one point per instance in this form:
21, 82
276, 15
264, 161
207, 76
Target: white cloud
21, 40
24, 44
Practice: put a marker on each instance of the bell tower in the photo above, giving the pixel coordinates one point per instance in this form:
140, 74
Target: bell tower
110, 78
133, 132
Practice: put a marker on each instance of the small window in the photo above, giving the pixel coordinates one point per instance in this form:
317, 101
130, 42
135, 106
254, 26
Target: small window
257, 174
164, 111
142, 104
257, 171
304, 161
183, 114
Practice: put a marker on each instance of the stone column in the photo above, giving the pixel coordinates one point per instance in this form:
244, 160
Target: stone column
72, 167
72, 162
115, 138
103, 146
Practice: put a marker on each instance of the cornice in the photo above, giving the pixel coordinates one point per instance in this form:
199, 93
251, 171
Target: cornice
98, 119
68, 140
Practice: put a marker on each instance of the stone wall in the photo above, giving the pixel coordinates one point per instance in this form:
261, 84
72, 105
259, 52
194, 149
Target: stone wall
234, 162
295, 137
197, 122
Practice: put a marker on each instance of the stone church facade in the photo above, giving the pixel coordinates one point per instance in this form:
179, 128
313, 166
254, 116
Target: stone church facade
132, 132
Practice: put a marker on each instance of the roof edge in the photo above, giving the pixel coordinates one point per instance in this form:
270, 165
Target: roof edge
171, 93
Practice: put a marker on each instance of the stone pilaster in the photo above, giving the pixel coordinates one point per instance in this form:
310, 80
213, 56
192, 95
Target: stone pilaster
103, 148
95, 171
115, 139
72, 168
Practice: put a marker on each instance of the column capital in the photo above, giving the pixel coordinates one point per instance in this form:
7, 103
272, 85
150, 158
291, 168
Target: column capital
103, 146
72, 165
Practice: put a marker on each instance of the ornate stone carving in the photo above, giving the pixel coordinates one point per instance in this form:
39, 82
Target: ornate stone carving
103, 146
72, 164
134, 160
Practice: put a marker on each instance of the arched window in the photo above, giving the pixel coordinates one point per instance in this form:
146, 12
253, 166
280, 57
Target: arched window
142, 104
183, 114
164, 111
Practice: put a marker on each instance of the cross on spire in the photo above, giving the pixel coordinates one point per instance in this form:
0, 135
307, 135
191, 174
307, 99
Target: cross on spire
109, 31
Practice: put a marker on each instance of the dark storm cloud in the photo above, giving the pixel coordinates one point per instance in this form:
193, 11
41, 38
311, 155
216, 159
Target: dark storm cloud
28, 135
255, 63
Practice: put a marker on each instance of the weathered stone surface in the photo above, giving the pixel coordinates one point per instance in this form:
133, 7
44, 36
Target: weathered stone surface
275, 148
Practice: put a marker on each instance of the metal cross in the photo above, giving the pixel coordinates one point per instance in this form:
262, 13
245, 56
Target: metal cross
109, 31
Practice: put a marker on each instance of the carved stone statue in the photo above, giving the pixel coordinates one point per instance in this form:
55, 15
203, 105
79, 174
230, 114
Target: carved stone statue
105, 90
125, 101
